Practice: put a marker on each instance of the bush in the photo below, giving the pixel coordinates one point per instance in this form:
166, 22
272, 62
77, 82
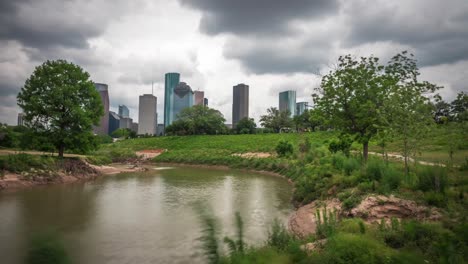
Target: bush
342, 144
391, 179
284, 148
278, 236
432, 178
304, 145
435, 199
350, 164
353, 226
351, 202
326, 223
375, 169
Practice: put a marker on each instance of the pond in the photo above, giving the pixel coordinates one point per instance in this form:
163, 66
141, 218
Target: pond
146, 217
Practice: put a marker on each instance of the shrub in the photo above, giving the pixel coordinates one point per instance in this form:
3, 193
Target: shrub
351, 164
375, 169
304, 145
353, 226
435, 199
278, 236
284, 148
326, 223
432, 178
351, 202
342, 144
391, 179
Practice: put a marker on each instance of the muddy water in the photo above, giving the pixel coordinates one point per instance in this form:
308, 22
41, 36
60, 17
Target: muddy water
141, 217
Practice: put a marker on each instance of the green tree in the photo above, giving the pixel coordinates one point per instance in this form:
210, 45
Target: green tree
407, 109
276, 120
459, 107
351, 98
198, 120
121, 133
60, 101
246, 126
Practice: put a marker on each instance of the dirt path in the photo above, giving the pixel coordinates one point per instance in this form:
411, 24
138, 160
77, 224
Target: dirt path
400, 157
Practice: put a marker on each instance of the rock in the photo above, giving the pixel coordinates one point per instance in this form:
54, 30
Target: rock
376, 207
314, 246
303, 222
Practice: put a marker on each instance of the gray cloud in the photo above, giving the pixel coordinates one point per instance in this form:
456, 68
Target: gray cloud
436, 30
257, 17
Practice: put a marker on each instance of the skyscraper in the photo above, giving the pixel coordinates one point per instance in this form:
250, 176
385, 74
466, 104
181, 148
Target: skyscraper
20, 119
172, 79
182, 98
205, 101
240, 103
123, 111
114, 122
103, 127
287, 101
147, 115
198, 97
301, 107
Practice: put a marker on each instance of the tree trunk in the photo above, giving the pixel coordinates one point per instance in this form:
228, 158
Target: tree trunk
405, 151
365, 150
61, 150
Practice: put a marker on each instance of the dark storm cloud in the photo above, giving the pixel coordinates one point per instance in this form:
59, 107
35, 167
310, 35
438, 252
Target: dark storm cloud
437, 31
257, 17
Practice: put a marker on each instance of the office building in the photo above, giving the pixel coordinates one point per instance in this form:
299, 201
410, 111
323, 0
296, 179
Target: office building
160, 130
103, 127
287, 102
171, 80
147, 115
20, 119
205, 101
240, 103
125, 122
114, 122
198, 97
123, 111
301, 107
134, 127
182, 98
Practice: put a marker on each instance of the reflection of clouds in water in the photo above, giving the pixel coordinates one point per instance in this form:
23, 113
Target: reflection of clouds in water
163, 168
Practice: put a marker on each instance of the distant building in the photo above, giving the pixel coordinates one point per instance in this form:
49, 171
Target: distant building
171, 80
147, 115
205, 101
134, 127
183, 98
160, 130
123, 111
287, 101
198, 97
114, 122
103, 127
240, 103
229, 126
301, 107
20, 119
126, 122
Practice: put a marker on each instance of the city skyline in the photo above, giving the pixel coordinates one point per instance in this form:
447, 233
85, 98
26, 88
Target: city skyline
216, 44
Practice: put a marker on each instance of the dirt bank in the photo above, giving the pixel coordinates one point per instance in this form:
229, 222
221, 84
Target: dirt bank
71, 171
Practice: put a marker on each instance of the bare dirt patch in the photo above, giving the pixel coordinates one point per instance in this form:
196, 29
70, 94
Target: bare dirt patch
147, 154
253, 155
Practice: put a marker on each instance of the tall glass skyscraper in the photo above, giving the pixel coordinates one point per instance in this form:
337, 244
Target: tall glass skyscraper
103, 127
172, 79
287, 101
123, 111
240, 103
301, 107
183, 98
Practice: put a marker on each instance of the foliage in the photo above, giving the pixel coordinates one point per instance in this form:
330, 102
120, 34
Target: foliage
304, 145
104, 139
237, 247
326, 223
198, 120
278, 236
246, 126
60, 101
284, 148
46, 249
432, 178
209, 236
343, 144
24, 162
123, 133
276, 120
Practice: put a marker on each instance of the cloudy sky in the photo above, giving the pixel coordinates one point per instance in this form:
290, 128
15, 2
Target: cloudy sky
271, 45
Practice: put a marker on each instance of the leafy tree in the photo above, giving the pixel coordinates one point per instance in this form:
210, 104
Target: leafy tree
408, 111
441, 111
276, 120
198, 120
121, 133
246, 126
459, 107
284, 148
351, 98
60, 101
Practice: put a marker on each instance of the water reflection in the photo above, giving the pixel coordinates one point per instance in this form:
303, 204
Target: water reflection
141, 217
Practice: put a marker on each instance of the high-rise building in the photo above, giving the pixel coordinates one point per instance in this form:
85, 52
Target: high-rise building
103, 127
147, 115
198, 97
301, 107
287, 101
20, 119
171, 80
125, 122
135, 127
183, 98
240, 103
123, 111
114, 122
205, 101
